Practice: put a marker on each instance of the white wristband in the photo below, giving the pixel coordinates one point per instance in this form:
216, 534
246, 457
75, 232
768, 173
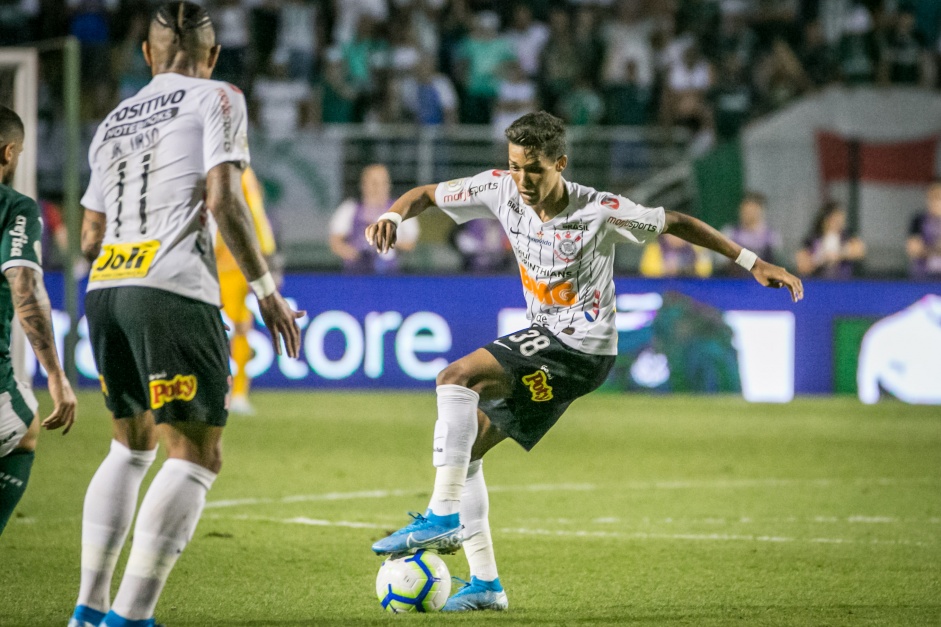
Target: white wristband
391, 216
747, 259
264, 286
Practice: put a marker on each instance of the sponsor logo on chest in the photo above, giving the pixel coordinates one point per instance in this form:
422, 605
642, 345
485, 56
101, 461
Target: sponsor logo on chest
561, 294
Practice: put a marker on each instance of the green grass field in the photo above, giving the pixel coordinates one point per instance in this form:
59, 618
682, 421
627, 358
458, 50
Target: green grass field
633, 511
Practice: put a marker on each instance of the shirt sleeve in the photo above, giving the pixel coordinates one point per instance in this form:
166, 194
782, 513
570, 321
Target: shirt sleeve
21, 243
629, 222
94, 198
225, 127
472, 197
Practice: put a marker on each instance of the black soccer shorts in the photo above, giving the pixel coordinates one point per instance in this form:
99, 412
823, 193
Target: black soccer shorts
547, 376
160, 351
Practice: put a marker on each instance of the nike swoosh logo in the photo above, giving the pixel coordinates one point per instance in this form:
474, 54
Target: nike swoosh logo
502, 344
514, 232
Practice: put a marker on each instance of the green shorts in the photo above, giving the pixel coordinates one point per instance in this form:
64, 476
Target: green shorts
160, 351
18, 408
547, 376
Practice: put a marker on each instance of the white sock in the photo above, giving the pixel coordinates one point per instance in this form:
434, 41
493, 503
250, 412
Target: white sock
165, 524
106, 518
475, 507
455, 432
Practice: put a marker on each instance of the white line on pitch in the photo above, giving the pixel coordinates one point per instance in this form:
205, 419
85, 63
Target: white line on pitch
581, 487
381, 494
640, 535
717, 537
744, 520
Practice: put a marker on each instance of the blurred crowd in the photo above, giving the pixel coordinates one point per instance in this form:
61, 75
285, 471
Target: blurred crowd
706, 64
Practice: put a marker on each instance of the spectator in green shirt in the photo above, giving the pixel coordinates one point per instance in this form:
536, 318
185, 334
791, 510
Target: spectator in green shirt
481, 57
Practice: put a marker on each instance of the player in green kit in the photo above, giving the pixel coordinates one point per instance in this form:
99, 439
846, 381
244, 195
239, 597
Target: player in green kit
22, 291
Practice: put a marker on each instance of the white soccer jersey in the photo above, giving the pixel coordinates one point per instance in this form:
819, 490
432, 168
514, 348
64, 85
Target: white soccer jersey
567, 263
149, 161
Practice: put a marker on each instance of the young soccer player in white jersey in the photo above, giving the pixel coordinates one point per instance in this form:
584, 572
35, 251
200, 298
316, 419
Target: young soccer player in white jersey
164, 164
518, 386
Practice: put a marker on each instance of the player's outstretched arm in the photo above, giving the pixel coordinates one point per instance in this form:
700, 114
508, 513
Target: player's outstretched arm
32, 308
225, 199
382, 233
701, 234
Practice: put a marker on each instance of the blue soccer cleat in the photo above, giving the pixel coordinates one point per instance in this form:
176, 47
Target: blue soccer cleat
439, 533
478, 595
116, 620
85, 616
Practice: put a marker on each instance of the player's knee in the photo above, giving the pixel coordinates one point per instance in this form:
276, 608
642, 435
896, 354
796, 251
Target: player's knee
28, 442
213, 461
137, 433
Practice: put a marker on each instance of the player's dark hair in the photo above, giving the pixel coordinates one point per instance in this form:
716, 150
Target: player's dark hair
541, 132
185, 19
756, 197
11, 126
823, 214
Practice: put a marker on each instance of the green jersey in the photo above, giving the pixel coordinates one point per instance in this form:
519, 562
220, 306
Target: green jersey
20, 245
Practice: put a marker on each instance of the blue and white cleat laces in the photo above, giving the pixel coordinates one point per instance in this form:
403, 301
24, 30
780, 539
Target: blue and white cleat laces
478, 595
429, 531
85, 616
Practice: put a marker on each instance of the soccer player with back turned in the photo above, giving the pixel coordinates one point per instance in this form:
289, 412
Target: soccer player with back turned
22, 291
519, 385
165, 164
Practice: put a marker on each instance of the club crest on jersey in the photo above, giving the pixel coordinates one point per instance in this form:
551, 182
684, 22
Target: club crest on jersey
538, 386
610, 202
592, 315
180, 388
567, 247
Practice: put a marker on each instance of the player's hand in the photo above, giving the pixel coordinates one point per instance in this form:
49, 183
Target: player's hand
382, 235
281, 322
64, 404
771, 275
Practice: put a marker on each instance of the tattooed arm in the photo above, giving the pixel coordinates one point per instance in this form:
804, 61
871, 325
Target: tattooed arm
32, 308
93, 232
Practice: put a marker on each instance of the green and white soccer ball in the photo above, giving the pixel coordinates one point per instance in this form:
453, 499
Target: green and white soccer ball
414, 583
